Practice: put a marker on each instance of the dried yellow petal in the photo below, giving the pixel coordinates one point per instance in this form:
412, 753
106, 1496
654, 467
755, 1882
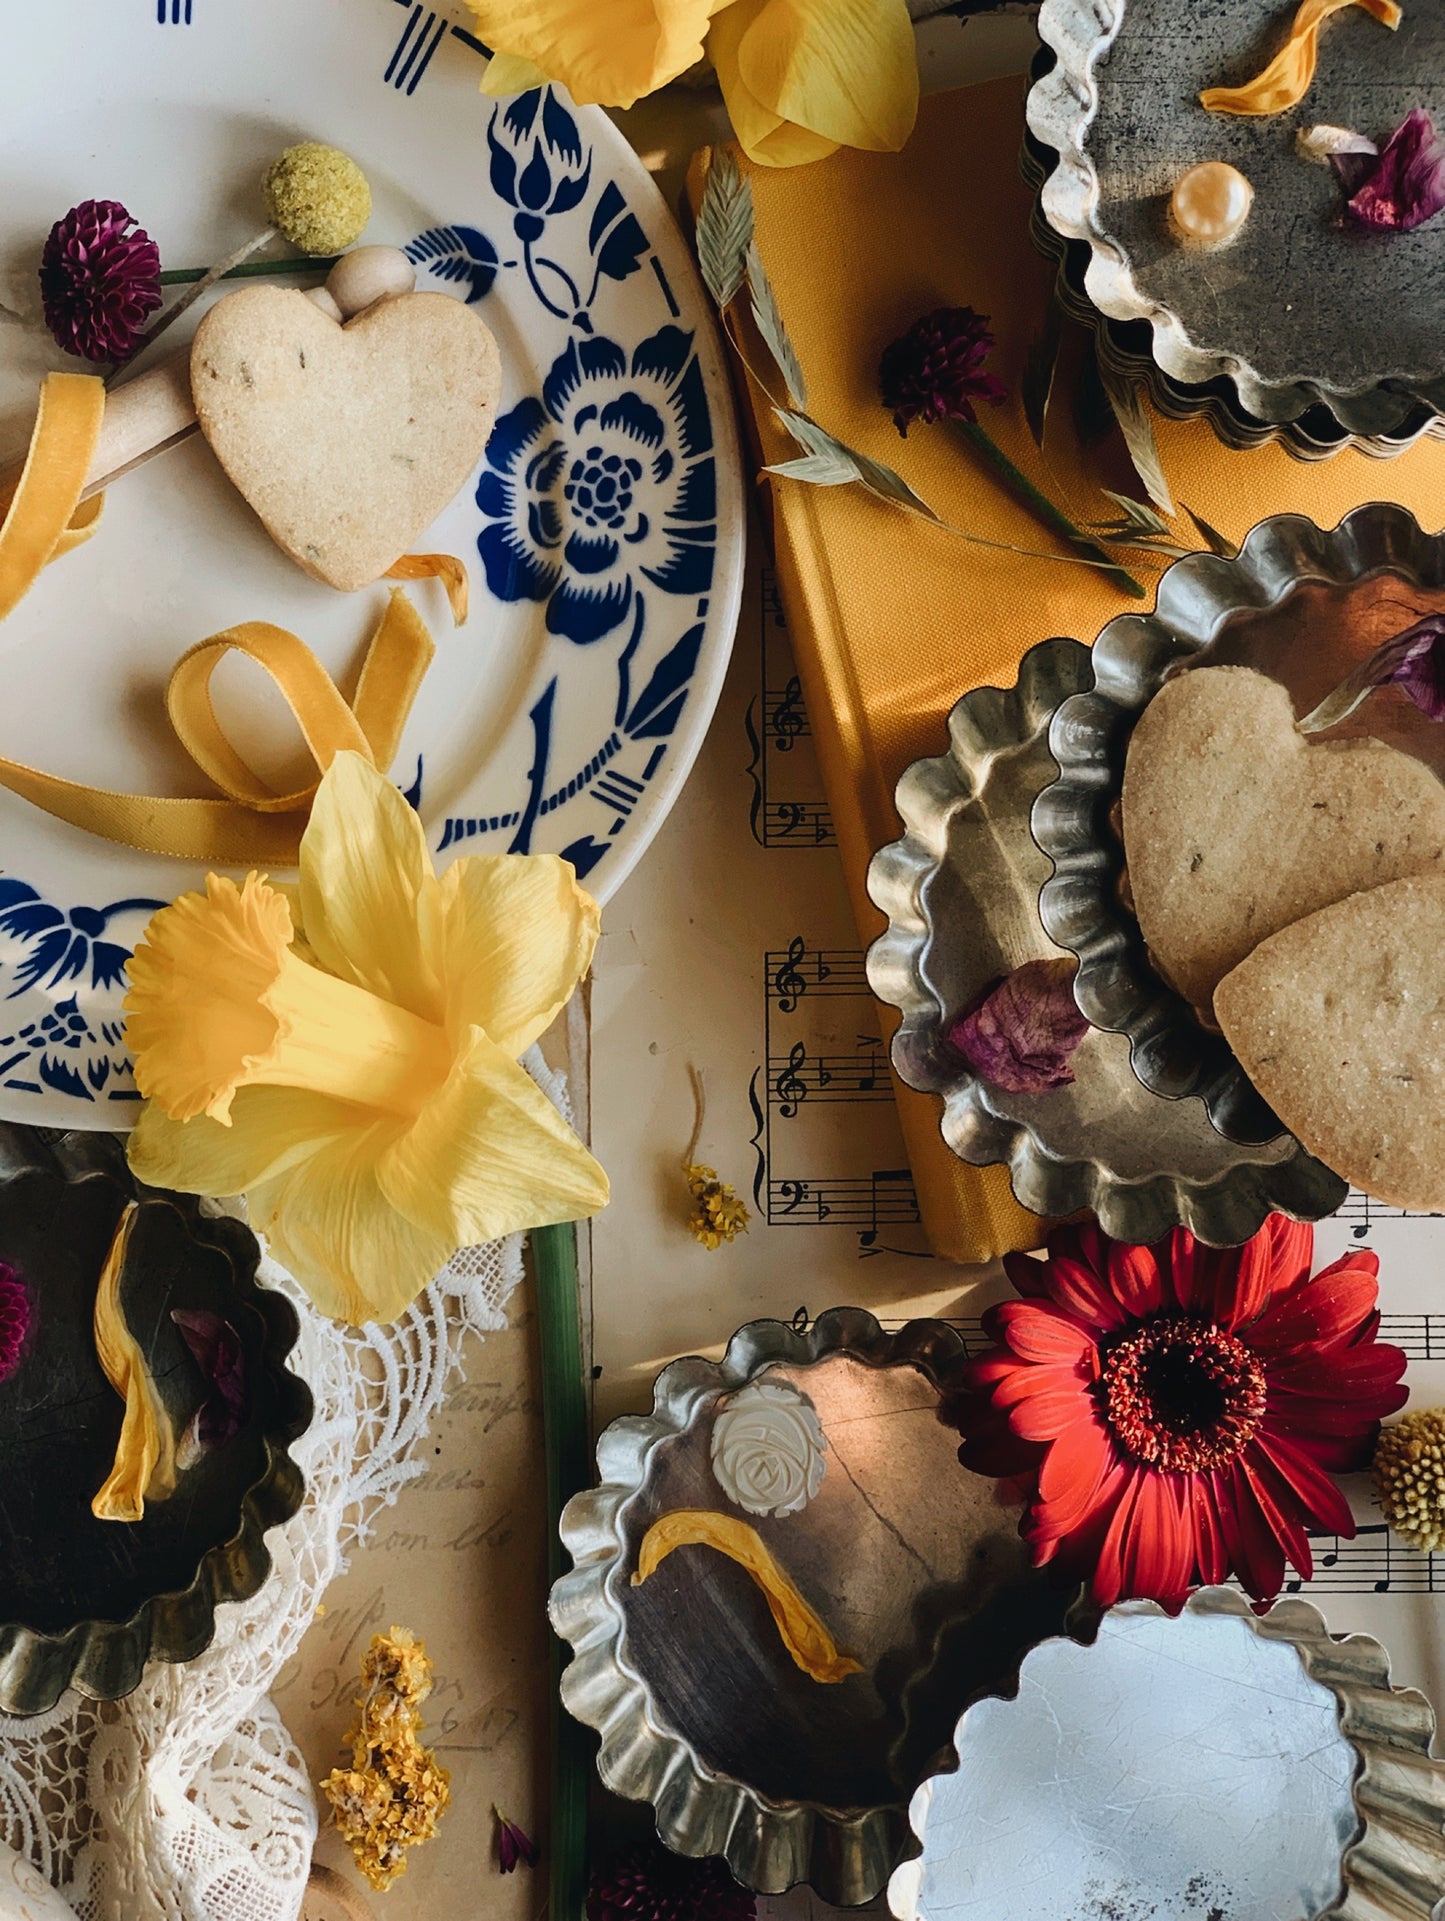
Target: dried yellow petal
717, 1215
807, 1640
443, 567
145, 1454
1286, 80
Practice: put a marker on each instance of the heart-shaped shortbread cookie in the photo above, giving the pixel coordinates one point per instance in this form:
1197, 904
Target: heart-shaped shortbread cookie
1235, 825
347, 441
1339, 1020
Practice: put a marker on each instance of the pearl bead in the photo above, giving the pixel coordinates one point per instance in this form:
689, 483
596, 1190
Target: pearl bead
1211, 202
368, 274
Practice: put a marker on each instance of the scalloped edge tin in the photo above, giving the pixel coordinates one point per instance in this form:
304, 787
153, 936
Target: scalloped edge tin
1060, 111
106, 1659
1046, 1176
846, 1855
1394, 1870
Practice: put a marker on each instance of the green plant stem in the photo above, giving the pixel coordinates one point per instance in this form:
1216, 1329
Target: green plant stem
564, 1425
1042, 507
251, 269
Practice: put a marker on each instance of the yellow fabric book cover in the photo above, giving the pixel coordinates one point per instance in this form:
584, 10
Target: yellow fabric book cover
891, 619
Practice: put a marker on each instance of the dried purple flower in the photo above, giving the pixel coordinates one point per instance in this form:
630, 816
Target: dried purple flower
514, 1844
935, 370
1412, 660
216, 1349
650, 1884
100, 277
14, 1319
1023, 1033
1405, 186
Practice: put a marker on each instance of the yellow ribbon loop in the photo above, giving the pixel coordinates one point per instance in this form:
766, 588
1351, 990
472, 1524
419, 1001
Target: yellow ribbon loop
43, 514
253, 825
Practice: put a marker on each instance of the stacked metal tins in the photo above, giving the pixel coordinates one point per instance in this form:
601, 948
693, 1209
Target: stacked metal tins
1289, 334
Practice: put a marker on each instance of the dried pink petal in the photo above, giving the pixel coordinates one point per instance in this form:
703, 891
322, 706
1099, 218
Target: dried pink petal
1405, 187
1023, 1034
1412, 660
14, 1319
216, 1348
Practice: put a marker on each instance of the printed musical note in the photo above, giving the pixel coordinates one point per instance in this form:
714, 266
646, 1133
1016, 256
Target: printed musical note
1369, 1564
885, 1198
803, 1076
1362, 1211
784, 717
801, 970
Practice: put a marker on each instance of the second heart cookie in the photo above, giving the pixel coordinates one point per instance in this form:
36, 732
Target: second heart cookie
346, 441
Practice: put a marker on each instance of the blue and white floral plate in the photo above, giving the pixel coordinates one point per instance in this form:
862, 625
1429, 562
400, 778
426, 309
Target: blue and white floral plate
603, 530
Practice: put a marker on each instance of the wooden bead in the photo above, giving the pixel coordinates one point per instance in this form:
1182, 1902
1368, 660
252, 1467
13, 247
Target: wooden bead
1211, 202
368, 274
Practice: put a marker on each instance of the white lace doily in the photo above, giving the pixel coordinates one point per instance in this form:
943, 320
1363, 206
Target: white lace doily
189, 1801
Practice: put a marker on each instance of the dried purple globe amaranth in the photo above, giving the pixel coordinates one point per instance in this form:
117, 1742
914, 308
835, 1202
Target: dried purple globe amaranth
14, 1319
1022, 1034
935, 370
1402, 188
650, 1884
216, 1349
1412, 660
100, 279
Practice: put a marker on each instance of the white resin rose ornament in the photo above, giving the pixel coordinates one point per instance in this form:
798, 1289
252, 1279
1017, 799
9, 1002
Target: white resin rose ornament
768, 1449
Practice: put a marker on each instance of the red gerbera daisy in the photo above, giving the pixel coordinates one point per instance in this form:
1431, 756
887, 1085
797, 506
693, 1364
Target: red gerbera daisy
1174, 1413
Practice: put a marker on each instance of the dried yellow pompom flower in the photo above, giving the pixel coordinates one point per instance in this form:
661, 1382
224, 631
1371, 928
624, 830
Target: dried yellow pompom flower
395, 1791
318, 197
717, 1213
1409, 1471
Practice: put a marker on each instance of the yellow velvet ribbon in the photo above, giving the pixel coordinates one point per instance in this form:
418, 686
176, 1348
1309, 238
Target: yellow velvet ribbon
252, 825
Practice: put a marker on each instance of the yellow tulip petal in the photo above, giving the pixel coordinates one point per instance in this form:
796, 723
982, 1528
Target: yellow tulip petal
508, 73
517, 936
272, 1129
367, 887
763, 135
490, 1155
844, 69
605, 52
145, 1453
328, 1221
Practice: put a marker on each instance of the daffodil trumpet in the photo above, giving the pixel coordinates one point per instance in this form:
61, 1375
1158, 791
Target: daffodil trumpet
346, 1053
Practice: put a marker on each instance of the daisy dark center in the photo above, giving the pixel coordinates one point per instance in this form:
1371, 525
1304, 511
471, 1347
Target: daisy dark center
1182, 1395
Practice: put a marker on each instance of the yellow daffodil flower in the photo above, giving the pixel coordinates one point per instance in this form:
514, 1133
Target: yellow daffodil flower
606, 53
801, 78
348, 1059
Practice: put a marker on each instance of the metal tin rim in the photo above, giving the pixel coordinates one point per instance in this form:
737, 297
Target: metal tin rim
106, 1659
846, 1855
1395, 1868
1224, 1211
1116, 986
1060, 110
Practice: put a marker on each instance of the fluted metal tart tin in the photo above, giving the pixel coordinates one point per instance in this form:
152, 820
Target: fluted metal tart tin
910, 1561
1125, 348
1359, 1818
86, 1603
961, 890
1300, 603
1299, 309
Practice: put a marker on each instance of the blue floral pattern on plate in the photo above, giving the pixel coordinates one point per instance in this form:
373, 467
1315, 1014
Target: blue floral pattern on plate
595, 515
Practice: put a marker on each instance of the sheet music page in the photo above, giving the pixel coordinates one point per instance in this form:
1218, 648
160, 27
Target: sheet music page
734, 948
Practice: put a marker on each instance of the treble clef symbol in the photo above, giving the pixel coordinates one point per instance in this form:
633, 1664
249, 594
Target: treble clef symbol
790, 1087
788, 983
788, 717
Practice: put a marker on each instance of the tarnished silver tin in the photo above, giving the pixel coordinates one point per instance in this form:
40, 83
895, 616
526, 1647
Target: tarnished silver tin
1283, 605
910, 1560
1124, 347
961, 892
1392, 1867
51, 1186
1352, 321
